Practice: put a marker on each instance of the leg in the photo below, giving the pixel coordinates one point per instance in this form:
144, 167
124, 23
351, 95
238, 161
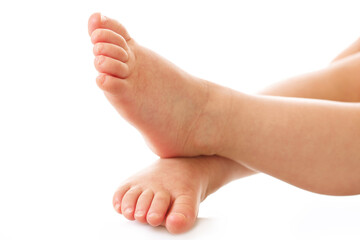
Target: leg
178, 114
338, 82
352, 49
309, 143
170, 191
136, 196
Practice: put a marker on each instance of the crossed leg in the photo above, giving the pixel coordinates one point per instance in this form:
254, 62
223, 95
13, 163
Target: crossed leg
169, 192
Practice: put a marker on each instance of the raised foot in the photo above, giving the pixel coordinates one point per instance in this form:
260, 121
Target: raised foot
178, 114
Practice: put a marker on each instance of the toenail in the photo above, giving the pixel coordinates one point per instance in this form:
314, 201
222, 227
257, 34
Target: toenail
99, 60
101, 79
139, 213
154, 216
117, 205
94, 36
103, 18
128, 211
98, 48
177, 215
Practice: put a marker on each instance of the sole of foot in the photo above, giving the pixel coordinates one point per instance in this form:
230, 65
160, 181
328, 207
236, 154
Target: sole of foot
178, 114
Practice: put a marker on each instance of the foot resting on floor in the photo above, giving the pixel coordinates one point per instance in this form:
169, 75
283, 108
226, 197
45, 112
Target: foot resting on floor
169, 192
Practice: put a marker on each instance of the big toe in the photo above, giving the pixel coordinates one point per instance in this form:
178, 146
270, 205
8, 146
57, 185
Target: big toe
182, 215
98, 20
94, 22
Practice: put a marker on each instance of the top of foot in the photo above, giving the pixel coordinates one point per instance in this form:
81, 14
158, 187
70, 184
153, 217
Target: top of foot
169, 192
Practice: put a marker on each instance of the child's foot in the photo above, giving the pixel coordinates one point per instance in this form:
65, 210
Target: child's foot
181, 184
169, 192
178, 114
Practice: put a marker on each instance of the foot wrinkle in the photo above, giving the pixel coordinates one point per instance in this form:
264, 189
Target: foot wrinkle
200, 114
227, 122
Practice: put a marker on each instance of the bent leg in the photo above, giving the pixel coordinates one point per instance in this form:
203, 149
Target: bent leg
338, 82
178, 206
312, 144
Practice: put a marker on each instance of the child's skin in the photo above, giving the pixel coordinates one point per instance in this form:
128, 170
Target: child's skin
160, 100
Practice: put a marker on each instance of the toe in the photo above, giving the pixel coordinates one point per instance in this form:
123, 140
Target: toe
118, 196
94, 22
182, 214
143, 205
111, 66
129, 202
158, 208
112, 85
108, 36
99, 21
110, 50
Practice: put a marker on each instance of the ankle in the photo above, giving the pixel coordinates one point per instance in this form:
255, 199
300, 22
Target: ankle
213, 124
236, 121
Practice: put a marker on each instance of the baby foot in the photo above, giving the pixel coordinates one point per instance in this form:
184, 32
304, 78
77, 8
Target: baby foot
169, 192
178, 114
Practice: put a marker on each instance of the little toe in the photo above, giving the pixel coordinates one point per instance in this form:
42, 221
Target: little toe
182, 214
158, 208
111, 66
128, 203
110, 50
112, 85
108, 36
97, 20
118, 196
143, 204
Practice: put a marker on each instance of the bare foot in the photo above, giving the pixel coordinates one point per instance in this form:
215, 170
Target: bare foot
169, 192
181, 184
132, 75
178, 114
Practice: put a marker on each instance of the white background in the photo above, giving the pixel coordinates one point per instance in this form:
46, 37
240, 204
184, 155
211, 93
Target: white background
64, 150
